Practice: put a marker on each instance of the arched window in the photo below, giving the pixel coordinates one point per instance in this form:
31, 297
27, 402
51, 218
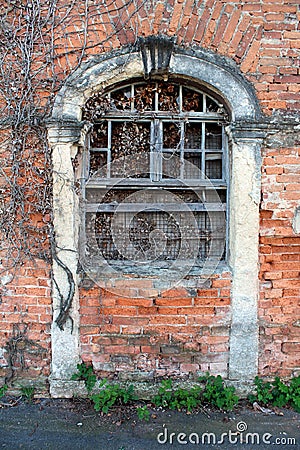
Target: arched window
155, 175
115, 191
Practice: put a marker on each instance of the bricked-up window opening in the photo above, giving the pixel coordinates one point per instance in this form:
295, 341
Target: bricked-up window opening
155, 184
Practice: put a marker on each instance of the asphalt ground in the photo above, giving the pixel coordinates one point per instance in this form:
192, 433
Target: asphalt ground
72, 424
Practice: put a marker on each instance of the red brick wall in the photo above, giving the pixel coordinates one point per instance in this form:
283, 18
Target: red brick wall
182, 331
136, 328
280, 263
261, 37
25, 321
25, 283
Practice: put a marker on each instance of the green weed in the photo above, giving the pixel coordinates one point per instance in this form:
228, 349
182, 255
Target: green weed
217, 393
179, 398
3, 390
111, 394
143, 413
27, 392
277, 392
211, 390
295, 393
85, 373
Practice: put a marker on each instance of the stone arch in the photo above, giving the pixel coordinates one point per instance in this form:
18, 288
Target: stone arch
66, 131
219, 74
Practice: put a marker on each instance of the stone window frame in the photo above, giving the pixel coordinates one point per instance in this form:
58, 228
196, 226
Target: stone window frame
66, 134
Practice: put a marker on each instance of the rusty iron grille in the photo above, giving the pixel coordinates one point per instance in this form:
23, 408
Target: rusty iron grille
155, 235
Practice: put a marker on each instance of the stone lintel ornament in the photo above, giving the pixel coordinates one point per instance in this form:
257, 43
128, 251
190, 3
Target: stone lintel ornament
156, 55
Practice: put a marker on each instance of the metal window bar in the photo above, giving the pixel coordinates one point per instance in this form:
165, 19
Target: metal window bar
156, 108
136, 207
132, 96
203, 150
155, 151
224, 160
109, 149
180, 98
156, 146
155, 236
98, 196
181, 141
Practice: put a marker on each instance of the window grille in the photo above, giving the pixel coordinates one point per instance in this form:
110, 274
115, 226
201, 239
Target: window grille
159, 151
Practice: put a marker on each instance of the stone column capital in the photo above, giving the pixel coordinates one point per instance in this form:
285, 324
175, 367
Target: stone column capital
245, 132
65, 132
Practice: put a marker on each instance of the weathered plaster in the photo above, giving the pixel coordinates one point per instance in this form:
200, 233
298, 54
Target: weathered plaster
65, 343
296, 221
243, 254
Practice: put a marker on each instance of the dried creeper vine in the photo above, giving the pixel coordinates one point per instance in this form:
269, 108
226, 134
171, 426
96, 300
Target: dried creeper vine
39, 47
